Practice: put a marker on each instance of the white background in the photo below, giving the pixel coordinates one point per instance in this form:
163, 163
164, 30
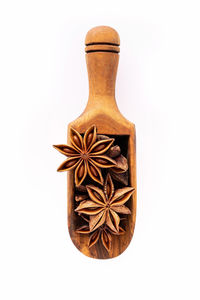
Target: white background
43, 86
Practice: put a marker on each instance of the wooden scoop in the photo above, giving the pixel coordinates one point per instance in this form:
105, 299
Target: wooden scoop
102, 56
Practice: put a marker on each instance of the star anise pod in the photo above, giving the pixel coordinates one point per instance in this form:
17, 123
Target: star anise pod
120, 177
119, 171
86, 155
103, 233
121, 165
104, 205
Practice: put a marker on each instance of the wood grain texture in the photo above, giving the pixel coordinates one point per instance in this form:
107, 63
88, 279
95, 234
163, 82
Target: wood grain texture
103, 112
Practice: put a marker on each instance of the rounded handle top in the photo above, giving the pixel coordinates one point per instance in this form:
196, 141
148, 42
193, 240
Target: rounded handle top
102, 38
